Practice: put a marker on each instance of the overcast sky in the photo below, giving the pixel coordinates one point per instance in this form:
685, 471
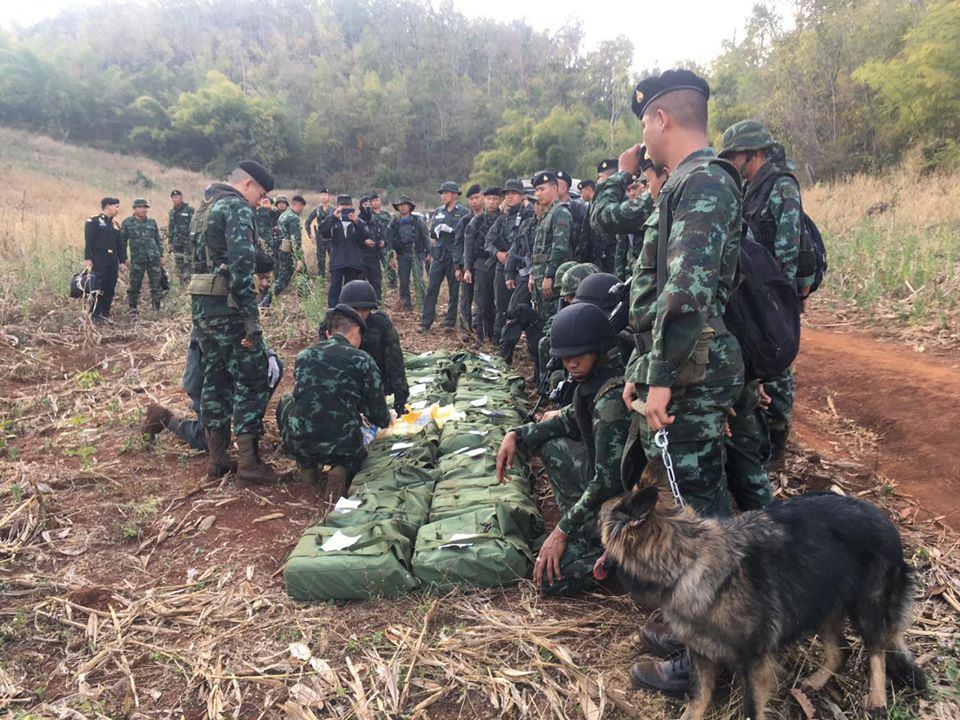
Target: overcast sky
664, 33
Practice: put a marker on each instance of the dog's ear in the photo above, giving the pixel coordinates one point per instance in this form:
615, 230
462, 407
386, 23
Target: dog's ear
655, 473
640, 503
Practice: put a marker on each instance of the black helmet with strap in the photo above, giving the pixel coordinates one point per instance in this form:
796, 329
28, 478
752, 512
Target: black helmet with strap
579, 329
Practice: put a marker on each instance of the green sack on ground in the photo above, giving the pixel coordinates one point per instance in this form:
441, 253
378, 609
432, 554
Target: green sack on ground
482, 548
398, 475
409, 507
376, 564
450, 502
404, 451
462, 434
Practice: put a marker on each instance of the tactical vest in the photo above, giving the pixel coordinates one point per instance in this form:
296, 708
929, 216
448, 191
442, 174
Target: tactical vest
205, 279
607, 379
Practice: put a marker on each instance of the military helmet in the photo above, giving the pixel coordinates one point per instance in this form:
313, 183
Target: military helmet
359, 294
574, 276
561, 271
596, 291
745, 136
579, 329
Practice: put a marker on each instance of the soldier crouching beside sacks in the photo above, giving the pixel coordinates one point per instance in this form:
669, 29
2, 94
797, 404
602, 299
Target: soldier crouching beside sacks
334, 383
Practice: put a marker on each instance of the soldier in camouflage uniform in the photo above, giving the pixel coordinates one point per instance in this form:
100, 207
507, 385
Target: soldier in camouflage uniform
442, 258
334, 383
266, 228
407, 238
312, 225
384, 217
178, 234
479, 269
598, 419
226, 321
290, 251
146, 254
687, 370
551, 245
773, 210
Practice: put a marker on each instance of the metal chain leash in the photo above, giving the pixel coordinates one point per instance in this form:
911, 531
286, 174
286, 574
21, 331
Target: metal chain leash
661, 441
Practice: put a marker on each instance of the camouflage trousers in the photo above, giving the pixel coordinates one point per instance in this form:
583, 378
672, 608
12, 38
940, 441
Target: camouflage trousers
746, 477
440, 271
388, 272
566, 464
235, 383
696, 445
782, 390
137, 271
305, 452
286, 268
181, 257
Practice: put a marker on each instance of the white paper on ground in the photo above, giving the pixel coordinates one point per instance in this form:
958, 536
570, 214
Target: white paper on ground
418, 389
339, 541
418, 405
479, 402
401, 446
346, 505
476, 452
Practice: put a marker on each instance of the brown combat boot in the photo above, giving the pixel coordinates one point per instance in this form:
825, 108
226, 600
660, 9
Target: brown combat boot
335, 488
778, 451
670, 676
218, 459
155, 420
251, 469
309, 475
659, 639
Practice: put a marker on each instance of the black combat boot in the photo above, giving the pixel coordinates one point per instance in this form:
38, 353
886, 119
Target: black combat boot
309, 475
155, 420
218, 459
251, 469
778, 450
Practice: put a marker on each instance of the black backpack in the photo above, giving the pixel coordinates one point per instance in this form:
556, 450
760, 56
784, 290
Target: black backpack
813, 252
763, 310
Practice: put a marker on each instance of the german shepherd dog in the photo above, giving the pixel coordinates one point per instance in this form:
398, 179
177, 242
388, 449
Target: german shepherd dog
736, 591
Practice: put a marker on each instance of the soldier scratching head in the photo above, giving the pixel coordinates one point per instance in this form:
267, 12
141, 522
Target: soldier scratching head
673, 110
251, 180
346, 322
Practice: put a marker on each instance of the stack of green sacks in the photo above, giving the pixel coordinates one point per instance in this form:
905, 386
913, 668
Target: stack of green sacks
426, 509
481, 533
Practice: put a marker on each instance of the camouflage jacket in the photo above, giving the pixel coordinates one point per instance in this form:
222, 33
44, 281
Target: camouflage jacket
143, 238
227, 239
407, 234
289, 224
702, 251
314, 218
776, 223
598, 417
475, 253
443, 247
178, 225
596, 246
551, 244
265, 220
382, 343
334, 383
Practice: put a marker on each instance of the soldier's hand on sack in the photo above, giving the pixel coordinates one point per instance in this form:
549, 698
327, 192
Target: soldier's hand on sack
629, 160
508, 448
468, 277
88, 265
658, 398
549, 558
765, 399
547, 287
511, 284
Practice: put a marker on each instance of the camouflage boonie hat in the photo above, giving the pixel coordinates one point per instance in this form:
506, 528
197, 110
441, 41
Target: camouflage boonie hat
745, 136
281, 199
141, 202
574, 276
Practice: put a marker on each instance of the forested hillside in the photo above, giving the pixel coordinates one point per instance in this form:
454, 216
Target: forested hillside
397, 94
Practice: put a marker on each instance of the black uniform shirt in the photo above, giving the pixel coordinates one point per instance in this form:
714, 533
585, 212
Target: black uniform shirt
102, 239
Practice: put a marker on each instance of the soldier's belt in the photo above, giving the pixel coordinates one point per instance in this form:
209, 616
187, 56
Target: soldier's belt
209, 284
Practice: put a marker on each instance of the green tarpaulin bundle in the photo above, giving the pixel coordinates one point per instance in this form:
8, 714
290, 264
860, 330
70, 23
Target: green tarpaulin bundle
409, 507
350, 563
398, 475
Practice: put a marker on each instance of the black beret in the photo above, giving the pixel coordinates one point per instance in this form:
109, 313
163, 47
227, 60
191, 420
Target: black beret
561, 175
493, 190
608, 164
346, 310
325, 190
258, 172
544, 176
299, 199
514, 185
586, 184
474, 189
174, 193
263, 263
649, 89
344, 199
109, 201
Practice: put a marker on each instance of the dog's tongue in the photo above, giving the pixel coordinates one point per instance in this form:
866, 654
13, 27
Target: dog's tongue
600, 568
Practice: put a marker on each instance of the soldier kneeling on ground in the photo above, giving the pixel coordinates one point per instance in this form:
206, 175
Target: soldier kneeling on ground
334, 384
160, 418
380, 340
582, 336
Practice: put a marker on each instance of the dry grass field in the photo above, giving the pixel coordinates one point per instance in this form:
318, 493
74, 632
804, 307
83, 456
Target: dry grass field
132, 587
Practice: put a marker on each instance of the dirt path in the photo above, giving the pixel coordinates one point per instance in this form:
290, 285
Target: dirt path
912, 401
